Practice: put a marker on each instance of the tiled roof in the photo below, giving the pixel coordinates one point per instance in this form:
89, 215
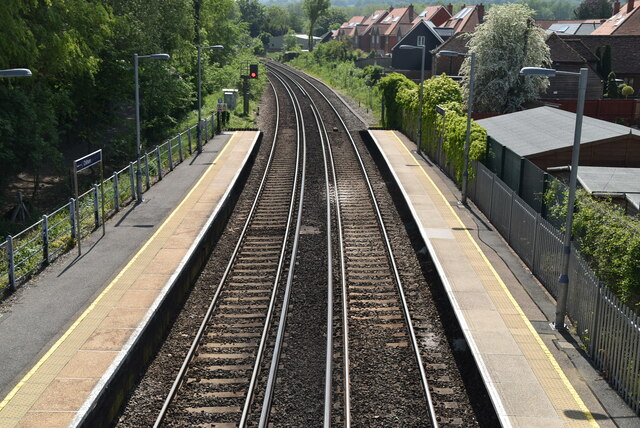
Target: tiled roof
561, 51
429, 12
622, 23
465, 20
581, 48
625, 50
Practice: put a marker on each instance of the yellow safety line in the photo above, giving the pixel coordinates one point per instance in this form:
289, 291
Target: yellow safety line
91, 307
535, 334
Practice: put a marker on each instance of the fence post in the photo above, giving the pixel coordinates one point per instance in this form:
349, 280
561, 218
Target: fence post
72, 217
213, 125
510, 217
180, 147
45, 239
170, 150
189, 139
96, 206
146, 168
116, 192
10, 262
159, 163
535, 243
493, 182
133, 181
206, 131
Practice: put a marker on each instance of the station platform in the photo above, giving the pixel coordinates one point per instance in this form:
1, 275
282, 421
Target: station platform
531, 382
66, 336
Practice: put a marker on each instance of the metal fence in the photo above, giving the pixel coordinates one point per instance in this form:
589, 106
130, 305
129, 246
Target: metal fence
609, 329
27, 252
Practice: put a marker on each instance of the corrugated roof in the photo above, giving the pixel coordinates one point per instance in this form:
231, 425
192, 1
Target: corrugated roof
544, 129
597, 179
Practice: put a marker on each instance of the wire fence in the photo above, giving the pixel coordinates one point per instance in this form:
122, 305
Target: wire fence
30, 250
609, 329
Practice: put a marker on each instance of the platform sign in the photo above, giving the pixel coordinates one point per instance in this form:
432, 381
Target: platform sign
222, 107
80, 165
441, 110
88, 161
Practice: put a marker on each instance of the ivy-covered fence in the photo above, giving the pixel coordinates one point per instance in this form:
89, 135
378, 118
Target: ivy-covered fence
443, 136
28, 251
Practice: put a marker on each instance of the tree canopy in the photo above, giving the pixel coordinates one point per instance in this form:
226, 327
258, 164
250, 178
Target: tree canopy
507, 41
593, 9
313, 9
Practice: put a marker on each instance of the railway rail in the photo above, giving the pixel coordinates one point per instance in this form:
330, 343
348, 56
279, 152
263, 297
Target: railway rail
315, 319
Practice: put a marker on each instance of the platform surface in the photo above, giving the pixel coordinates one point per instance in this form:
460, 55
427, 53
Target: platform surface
527, 384
68, 350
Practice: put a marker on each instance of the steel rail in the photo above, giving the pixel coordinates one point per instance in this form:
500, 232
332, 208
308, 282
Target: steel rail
194, 345
405, 307
324, 138
273, 371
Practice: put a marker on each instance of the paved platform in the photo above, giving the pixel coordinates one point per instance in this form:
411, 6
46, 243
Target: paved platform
64, 336
530, 383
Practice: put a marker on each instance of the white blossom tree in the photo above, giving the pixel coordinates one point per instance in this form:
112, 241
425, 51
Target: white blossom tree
507, 41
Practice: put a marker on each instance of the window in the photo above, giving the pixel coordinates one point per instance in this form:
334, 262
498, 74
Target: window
420, 41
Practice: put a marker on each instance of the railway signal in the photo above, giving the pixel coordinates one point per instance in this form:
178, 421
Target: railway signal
253, 71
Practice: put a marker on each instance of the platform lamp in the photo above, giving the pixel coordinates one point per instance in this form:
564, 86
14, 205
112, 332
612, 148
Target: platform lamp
136, 57
423, 48
199, 128
563, 281
15, 72
467, 141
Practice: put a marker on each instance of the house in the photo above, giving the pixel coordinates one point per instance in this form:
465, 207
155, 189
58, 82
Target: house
364, 41
624, 22
437, 14
467, 19
423, 33
565, 57
349, 30
450, 65
386, 32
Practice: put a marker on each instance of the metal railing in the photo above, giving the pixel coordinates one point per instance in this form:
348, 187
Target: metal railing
27, 252
608, 328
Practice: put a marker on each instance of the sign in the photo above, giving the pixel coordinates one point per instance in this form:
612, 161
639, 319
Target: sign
88, 161
222, 107
440, 110
219, 100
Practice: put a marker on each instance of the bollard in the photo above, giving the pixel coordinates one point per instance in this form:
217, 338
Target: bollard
72, 217
96, 206
159, 163
116, 192
146, 168
45, 240
10, 262
132, 180
180, 147
170, 150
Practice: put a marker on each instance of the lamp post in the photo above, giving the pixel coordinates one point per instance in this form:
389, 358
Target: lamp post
563, 281
423, 48
467, 141
136, 57
199, 128
15, 72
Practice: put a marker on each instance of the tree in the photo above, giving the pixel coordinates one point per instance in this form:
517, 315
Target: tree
627, 91
612, 86
593, 9
603, 66
313, 9
277, 20
507, 41
331, 20
253, 13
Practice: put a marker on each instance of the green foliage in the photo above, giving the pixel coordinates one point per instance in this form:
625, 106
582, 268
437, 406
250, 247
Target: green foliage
627, 91
253, 13
334, 51
507, 41
593, 9
372, 74
607, 237
612, 86
313, 9
603, 66
390, 86
455, 134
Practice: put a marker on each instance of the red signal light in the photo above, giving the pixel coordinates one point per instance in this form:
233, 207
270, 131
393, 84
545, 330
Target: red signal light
253, 71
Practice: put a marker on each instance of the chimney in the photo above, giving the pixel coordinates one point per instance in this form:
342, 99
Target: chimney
480, 8
410, 10
450, 9
629, 6
616, 7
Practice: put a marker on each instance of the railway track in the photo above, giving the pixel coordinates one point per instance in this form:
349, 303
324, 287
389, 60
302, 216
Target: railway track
313, 321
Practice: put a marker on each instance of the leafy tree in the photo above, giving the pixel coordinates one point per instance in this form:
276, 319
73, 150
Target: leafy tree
603, 66
627, 91
331, 20
277, 20
593, 9
612, 86
372, 74
506, 42
253, 13
290, 43
314, 9
390, 85
334, 51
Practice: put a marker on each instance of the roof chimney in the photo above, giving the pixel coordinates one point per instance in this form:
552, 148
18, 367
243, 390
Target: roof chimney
410, 10
450, 9
629, 6
480, 8
616, 7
